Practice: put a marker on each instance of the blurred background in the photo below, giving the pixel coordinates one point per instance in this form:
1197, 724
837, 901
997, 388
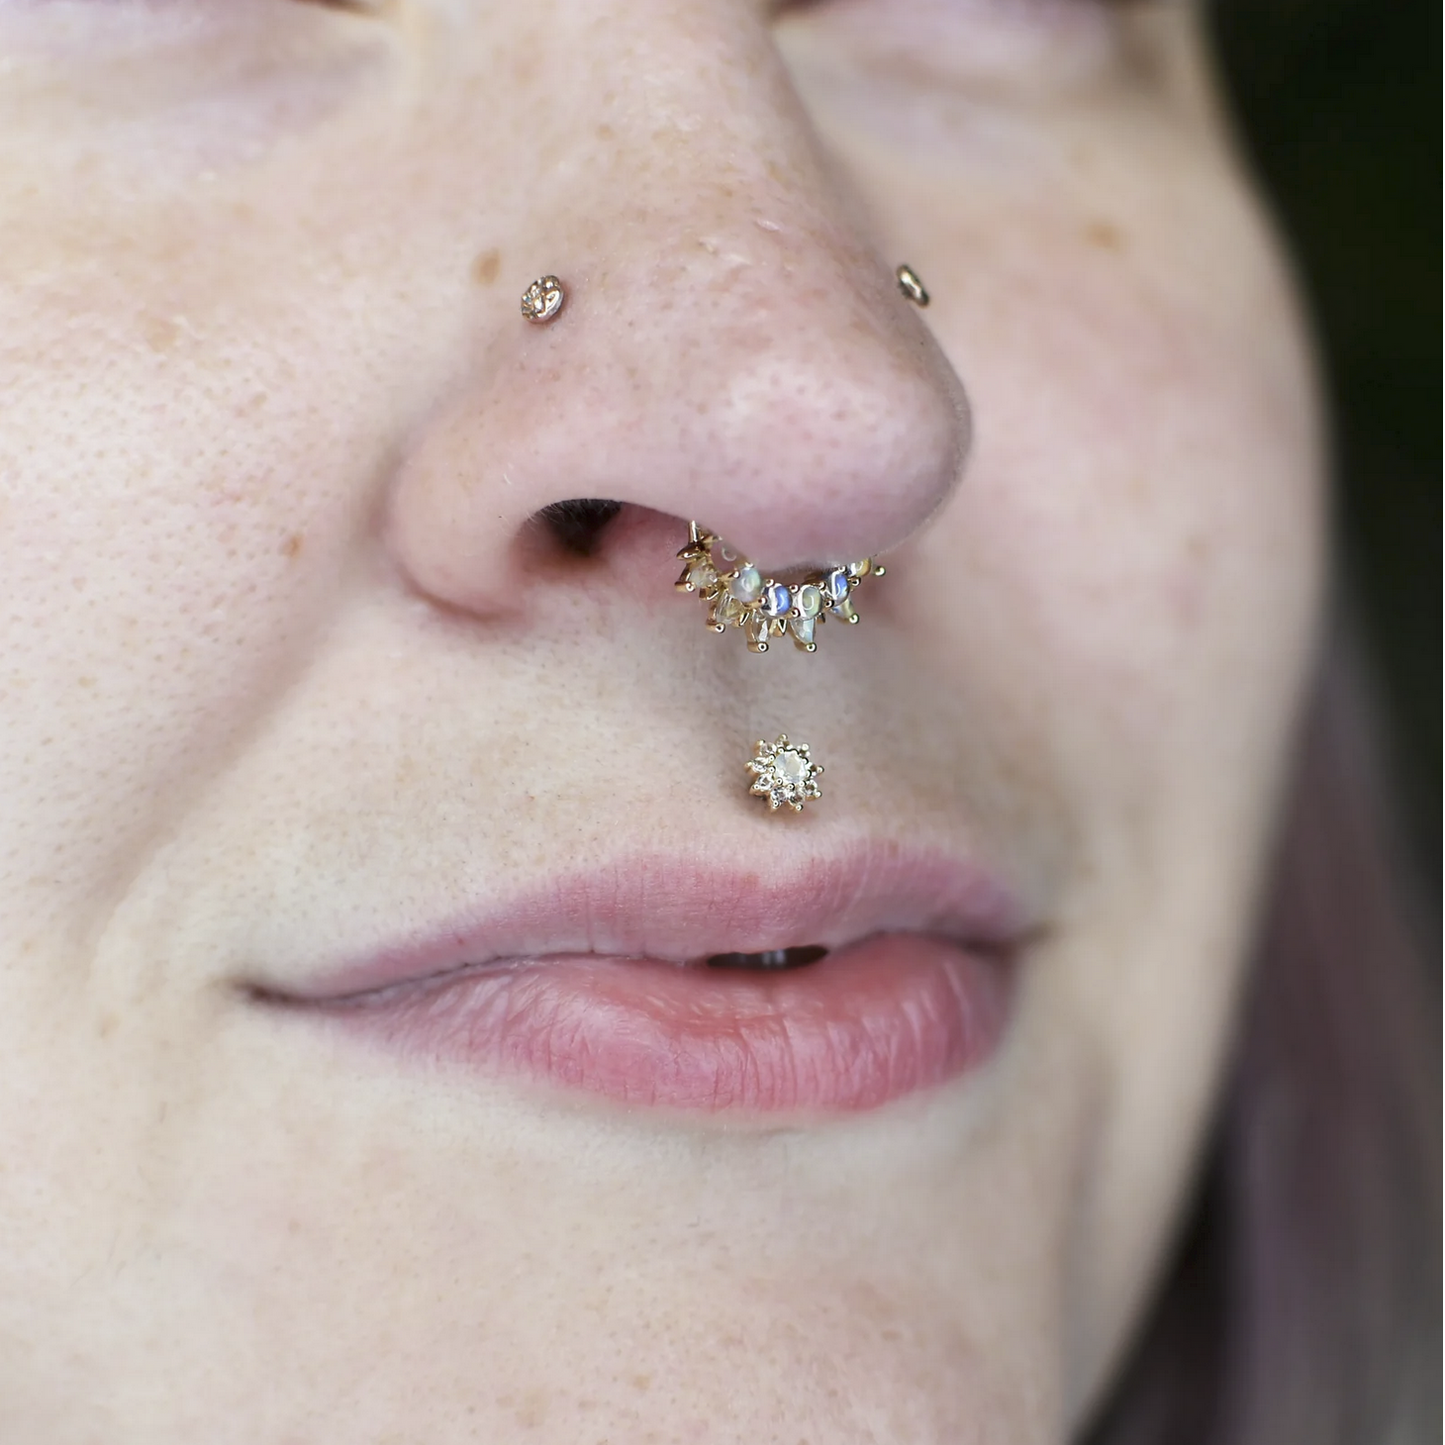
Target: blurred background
1339, 104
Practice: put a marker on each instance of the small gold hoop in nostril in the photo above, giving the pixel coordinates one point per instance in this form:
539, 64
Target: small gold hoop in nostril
543, 299
784, 773
911, 286
738, 595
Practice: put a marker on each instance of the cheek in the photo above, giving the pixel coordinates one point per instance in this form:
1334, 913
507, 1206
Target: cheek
1126, 581
1141, 524
1132, 566
160, 549
189, 434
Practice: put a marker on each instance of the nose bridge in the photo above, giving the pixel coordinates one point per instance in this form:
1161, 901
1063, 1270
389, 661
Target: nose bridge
731, 349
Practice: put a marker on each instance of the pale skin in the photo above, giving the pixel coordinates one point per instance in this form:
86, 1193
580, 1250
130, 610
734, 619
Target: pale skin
282, 659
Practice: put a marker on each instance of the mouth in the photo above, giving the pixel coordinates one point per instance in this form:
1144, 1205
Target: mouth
867, 978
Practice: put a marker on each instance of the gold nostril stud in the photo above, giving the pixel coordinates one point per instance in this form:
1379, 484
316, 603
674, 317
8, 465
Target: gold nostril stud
543, 299
911, 286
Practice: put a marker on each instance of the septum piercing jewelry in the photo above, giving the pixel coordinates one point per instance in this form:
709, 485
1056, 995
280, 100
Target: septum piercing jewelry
784, 773
738, 595
543, 299
911, 286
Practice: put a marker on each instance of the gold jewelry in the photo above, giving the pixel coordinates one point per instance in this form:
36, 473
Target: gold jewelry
543, 299
738, 595
784, 773
911, 286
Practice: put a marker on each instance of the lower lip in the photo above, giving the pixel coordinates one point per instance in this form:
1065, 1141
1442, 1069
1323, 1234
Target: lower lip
868, 1024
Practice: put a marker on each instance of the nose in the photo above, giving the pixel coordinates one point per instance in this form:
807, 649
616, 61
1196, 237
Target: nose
731, 349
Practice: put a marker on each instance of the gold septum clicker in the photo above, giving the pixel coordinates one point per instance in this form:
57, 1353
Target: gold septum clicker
738, 595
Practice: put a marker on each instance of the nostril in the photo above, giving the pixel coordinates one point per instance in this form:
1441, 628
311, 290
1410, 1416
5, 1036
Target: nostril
578, 524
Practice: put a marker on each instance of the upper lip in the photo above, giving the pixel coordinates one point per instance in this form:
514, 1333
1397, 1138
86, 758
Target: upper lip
663, 907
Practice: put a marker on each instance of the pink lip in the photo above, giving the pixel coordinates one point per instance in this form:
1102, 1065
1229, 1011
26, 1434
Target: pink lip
597, 984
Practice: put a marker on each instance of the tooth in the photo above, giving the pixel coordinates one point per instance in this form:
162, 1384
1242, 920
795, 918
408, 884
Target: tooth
773, 958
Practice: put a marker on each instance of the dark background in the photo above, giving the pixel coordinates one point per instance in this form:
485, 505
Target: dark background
1339, 103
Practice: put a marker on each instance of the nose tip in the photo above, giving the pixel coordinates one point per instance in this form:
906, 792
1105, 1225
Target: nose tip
807, 421
836, 447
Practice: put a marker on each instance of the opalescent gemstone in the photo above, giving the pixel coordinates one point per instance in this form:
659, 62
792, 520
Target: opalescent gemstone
748, 583
777, 600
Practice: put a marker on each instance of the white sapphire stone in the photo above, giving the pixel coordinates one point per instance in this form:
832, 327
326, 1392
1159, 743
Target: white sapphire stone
792, 766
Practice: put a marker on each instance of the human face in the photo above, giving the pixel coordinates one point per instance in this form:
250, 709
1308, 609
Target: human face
299, 698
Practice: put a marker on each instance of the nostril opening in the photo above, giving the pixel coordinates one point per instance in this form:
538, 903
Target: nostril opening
577, 525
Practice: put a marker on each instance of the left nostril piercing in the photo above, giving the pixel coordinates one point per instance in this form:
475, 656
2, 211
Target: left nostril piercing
578, 523
543, 299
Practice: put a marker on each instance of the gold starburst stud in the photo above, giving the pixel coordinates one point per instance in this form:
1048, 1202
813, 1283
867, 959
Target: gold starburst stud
784, 773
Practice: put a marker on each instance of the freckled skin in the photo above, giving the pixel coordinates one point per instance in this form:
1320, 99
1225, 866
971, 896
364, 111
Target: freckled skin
283, 665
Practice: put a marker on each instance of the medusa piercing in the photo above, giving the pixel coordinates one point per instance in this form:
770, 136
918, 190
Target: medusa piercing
784, 773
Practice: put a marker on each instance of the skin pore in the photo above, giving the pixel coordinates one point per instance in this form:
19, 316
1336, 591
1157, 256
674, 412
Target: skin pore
289, 671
